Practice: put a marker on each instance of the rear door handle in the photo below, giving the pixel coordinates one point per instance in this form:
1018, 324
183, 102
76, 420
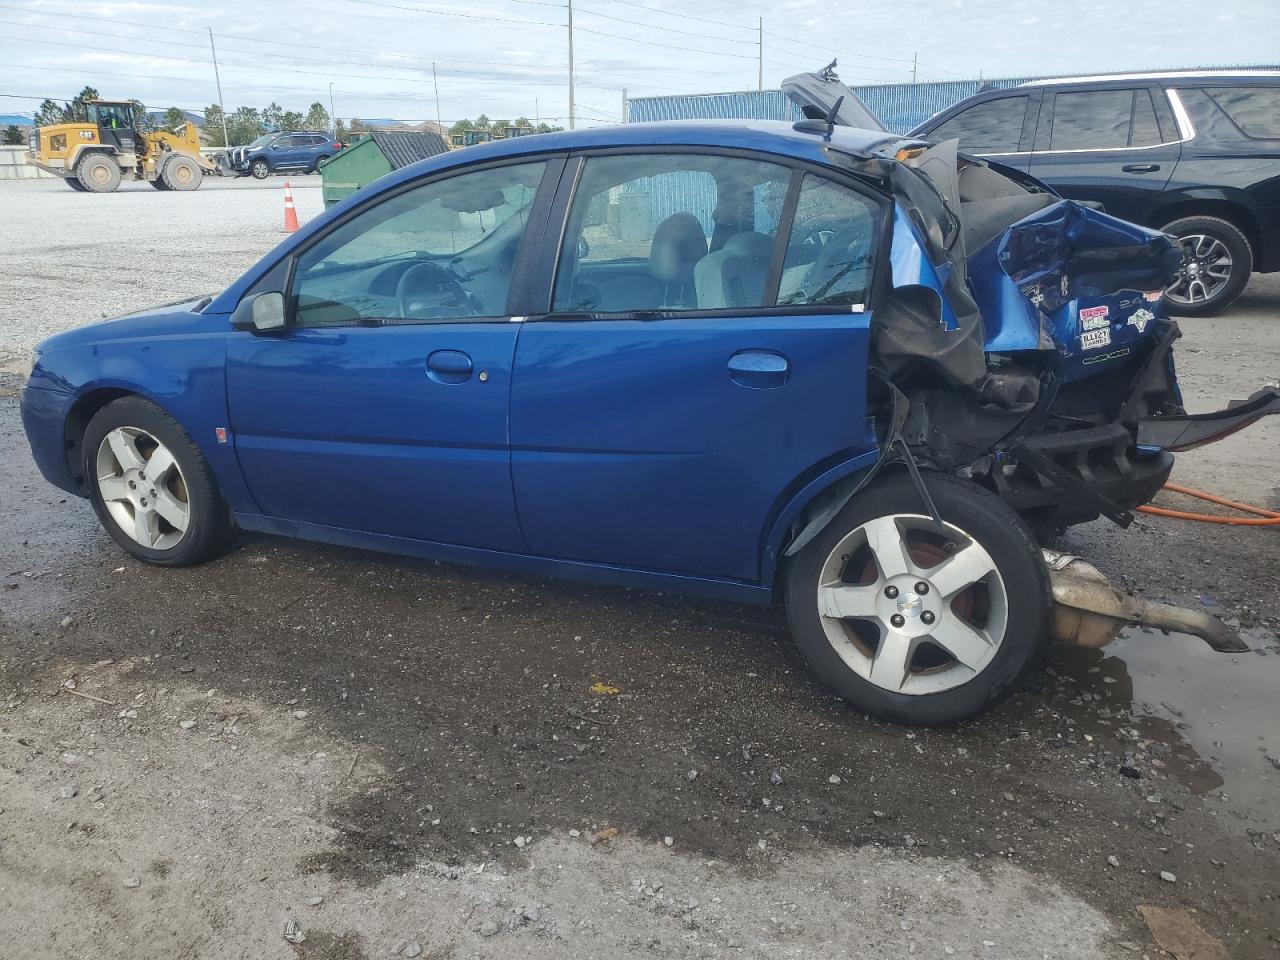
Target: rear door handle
1140, 167
449, 366
759, 369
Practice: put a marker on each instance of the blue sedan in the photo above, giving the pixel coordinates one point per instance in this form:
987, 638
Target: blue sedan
829, 366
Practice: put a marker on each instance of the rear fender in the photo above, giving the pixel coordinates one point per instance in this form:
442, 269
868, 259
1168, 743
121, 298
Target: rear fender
810, 510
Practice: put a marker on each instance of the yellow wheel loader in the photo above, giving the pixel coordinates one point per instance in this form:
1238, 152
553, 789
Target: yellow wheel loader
96, 154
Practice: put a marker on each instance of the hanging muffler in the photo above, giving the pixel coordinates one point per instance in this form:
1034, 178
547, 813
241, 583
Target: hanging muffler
1089, 611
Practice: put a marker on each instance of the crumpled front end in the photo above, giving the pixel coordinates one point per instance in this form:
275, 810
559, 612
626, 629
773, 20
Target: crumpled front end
1024, 343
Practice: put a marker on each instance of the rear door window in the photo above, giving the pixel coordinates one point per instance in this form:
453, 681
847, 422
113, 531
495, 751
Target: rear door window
831, 246
993, 126
1255, 110
670, 233
1103, 120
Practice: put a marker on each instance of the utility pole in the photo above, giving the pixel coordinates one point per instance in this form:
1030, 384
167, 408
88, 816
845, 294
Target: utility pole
333, 113
226, 140
914, 61
436, 84
571, 110
760, 64
624, 104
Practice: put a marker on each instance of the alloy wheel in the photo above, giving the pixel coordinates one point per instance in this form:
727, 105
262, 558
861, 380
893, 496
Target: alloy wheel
143, 488
1206, 268
911, 609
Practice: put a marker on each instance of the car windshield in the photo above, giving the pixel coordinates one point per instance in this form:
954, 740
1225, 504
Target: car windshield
262, 140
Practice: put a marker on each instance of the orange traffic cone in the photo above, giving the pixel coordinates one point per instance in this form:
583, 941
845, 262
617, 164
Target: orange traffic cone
290, 214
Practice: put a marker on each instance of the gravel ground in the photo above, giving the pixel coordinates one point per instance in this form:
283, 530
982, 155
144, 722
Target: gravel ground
413, 759
68, 257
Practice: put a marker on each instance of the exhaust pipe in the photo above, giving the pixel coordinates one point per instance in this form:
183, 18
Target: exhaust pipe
1089, 611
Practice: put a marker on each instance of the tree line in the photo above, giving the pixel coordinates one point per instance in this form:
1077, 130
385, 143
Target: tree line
246, 124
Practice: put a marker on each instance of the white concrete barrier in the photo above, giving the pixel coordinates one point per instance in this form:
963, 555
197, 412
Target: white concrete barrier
14, 166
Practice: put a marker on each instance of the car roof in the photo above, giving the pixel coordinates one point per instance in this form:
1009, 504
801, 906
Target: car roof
770, 136
1259, 73
766, 136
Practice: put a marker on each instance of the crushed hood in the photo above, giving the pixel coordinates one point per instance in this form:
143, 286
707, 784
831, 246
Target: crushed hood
817, 93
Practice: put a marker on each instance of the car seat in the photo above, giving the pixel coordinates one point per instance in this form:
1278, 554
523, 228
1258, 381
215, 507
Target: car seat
734, 276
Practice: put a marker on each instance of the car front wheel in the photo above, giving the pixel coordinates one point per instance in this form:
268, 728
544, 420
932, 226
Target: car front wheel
1217, 261
260, 169
151, 486
916, 624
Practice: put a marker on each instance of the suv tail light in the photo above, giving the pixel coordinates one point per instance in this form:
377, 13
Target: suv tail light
337, 146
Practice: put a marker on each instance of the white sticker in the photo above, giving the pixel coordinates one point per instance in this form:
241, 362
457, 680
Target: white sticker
1092, 318
1093, 339
1141, 318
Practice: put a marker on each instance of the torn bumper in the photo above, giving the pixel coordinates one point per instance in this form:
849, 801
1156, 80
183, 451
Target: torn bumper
1188, 431
1089, 611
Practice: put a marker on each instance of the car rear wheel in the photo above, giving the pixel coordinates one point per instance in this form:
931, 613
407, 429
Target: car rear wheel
182, 173
315, 167
98, 173
151, 486
1217, 261
260, 169
914, 624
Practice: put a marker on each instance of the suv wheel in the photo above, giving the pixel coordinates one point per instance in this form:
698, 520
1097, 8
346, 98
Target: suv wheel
916, 625
260, 169
1217, 261
315, 167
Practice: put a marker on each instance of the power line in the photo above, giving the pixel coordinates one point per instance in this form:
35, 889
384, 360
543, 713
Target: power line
426, 61
640, 23
449, 13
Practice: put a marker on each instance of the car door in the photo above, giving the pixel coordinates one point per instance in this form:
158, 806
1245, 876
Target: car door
1110, 145
698, 360
1000, 127
382, 406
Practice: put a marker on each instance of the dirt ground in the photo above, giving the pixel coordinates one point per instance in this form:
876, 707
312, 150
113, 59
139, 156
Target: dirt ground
414, 759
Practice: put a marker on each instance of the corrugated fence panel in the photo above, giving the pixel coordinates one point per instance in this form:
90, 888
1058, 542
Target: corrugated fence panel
902, 106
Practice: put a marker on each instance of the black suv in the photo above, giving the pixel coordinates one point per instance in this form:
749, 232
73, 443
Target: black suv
1195, 154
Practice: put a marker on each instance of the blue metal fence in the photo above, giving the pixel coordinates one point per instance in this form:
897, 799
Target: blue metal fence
901, 106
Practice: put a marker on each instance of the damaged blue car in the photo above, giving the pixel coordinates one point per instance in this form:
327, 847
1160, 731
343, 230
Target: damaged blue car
817, 364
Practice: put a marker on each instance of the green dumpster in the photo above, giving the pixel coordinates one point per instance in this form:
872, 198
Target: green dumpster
373, 156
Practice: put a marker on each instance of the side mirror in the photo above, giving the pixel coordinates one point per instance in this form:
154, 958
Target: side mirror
263, 313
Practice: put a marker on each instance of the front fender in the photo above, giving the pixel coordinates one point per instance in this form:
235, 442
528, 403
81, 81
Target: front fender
183, 375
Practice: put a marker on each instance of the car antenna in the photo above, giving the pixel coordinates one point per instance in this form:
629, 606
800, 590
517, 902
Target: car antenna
825, 125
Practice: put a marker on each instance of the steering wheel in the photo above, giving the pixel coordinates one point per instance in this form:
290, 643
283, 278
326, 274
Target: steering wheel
426, 289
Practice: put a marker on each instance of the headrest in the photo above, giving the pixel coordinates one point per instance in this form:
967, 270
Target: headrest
678, 244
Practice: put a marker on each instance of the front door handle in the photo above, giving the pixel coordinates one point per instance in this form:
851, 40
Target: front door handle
759, 369
449, 366
1140, 167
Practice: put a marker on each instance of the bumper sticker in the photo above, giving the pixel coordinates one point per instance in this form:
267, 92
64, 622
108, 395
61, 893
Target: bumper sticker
1093, 339
1091, 318
1141, 318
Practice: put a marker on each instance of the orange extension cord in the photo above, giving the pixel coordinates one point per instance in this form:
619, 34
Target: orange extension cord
1271, 517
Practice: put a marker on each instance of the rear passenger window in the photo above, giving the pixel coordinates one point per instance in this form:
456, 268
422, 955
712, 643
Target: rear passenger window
831, 246
670, 232
1255, 110
1094, 120
994, 126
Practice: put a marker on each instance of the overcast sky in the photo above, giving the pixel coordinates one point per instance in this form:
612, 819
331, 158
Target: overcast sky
508, 58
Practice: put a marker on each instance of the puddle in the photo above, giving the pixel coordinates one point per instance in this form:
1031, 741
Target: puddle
1219, 713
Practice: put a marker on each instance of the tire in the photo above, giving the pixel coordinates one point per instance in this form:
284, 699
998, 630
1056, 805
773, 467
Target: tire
74, 183
159, 183
845, 614
98, 173
315, 167
182, 173
184, 520
1205, 286
260, 169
